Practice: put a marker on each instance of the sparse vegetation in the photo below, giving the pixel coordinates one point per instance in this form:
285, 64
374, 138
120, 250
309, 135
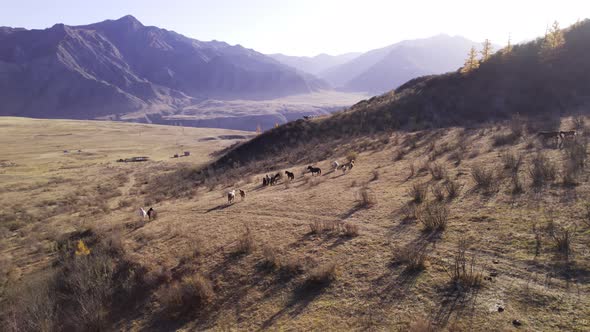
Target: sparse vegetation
452, 187
464, 274
542, 170
483, 178
437, 171
418, 192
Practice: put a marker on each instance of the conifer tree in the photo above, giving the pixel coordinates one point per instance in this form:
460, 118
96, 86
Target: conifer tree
471, 63
486, 51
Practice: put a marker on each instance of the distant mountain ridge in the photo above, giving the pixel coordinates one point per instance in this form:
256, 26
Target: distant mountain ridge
317, 64
121, 66
387, 68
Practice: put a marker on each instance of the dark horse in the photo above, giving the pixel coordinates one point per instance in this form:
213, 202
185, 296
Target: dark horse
152, 214
314, 170
274, 179
290, 175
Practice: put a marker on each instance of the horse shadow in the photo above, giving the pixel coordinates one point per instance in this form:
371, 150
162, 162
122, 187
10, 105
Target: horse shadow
219, 207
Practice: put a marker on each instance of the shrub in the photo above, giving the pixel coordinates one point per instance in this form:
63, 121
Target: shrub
412, 171
456, 156
375, 175
270, 257
413, 257
418, 192
351, 230
516, 184
322, 275
438, 193
452, 187
511, 161
291, 266
562, 239
351, 156
504, 139
463, 274
319, 227
365, 198
483, 178
436, 170
541, 170
246, 242
433, 216
187, 295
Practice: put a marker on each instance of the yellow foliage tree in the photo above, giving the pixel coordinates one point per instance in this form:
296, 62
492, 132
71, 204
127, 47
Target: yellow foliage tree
486, 51
82, 249
553, 41
471, 63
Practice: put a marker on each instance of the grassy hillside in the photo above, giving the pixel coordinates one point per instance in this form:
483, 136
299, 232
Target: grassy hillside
335, 252
524, 81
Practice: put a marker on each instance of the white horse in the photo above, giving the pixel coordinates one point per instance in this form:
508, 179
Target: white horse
231, 196
335, 165
142, 213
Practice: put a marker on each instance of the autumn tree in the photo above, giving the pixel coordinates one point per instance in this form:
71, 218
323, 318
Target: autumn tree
471, 63
552, 42
486, 51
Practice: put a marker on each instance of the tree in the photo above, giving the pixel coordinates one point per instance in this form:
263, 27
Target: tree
486, 51
508, 47
471, 63
552, 42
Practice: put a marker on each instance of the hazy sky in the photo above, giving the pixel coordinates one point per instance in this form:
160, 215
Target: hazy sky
309, 27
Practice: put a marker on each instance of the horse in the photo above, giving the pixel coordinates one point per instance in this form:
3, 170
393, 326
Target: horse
290, 175
142, 213
231, 196
264, 183
152, 214
335, 165
242, 194
314, 170
274, 179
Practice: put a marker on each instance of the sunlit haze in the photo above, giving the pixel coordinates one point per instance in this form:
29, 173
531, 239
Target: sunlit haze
308, 27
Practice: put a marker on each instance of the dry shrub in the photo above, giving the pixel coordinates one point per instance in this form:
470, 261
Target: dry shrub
270, 257
456, 157
352, 156
320, 227
188, 295
437, 192
579, 123
314, 181
365, 198
291, 266
322, 275
375, 175
414, 257
351, 230
575, 159
562, 240
517, 187
463, 273
433, 215
483, 178
437, 171
412, 171
542, 170
504, 139
452, 187
246, 242
418, 192
399, 155
409, 211
511, 161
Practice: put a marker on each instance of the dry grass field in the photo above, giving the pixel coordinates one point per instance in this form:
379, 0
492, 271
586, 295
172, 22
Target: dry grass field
453, 229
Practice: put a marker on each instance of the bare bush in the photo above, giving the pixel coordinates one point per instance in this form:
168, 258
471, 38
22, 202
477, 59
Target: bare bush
562, 240
351, 230
246, 242
413, 257
437, 192
452, 187
437, 170
433, 216
511, 161
517, 187
483, 178
365, 198
322, 275
542, 170
463, 273
189, 294
270, 257
375, 175
418, 192
320, 227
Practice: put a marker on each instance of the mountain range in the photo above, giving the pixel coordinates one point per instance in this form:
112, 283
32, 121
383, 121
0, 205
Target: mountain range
386, 68
121, 66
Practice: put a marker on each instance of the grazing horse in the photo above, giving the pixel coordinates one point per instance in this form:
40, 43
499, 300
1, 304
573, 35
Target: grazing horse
231, 196
554, 136
274, 179
242, 194
335, 165
142, 213
349, 165
152, 214
314, 170
290, 175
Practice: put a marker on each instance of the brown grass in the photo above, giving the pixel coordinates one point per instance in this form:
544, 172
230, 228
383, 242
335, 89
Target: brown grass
433, 216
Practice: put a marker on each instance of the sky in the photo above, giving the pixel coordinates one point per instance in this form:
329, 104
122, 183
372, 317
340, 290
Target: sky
311, 27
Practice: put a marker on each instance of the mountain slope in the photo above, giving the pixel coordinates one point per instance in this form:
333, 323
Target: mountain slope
522, 81
317, 64
386, 68
122, 66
